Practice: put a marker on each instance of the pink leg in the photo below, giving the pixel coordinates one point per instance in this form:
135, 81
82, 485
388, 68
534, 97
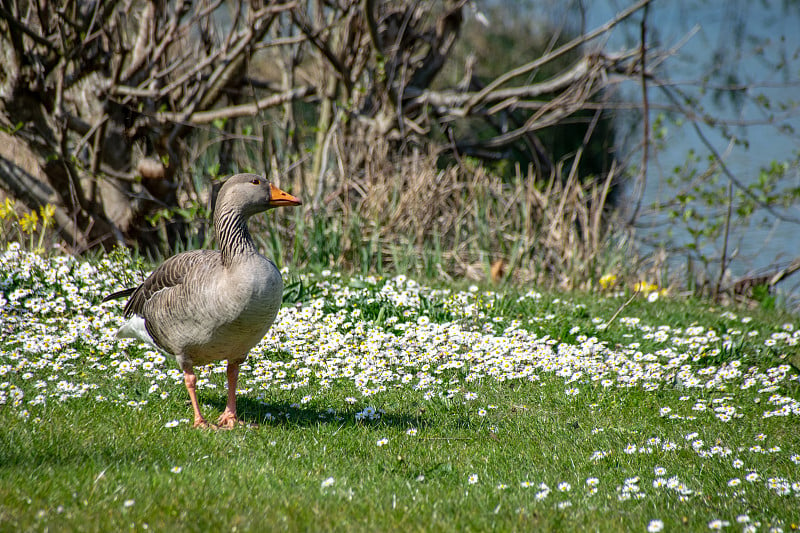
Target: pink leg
228, 418
190, 379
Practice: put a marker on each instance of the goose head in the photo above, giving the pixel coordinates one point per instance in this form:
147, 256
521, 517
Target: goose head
248, 194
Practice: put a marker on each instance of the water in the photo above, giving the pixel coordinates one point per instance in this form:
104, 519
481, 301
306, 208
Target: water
766, 60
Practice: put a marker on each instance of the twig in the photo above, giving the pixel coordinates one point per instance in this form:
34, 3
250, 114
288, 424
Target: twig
313, 37
635, 293
143, 46
368, 6
739, 185
724, 259
324, 160
14, 23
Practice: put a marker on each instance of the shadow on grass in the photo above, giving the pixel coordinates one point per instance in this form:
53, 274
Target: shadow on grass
278, 414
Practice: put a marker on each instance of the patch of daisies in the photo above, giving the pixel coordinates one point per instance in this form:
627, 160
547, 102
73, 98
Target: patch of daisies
372, 335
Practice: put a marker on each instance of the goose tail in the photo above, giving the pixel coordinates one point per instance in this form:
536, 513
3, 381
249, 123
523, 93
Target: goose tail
124, 293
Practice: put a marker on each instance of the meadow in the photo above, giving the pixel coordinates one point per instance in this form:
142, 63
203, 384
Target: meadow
386, 403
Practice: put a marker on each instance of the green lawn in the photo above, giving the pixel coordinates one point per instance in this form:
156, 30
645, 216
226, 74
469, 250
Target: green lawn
384, 404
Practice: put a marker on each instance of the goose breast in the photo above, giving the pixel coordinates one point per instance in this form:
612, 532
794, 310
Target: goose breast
220, 316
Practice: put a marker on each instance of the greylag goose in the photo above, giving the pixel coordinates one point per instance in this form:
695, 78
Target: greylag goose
206, 305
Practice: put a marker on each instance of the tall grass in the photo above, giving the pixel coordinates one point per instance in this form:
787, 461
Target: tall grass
413, 217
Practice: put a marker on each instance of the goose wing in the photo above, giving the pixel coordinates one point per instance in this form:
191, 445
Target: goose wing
171, 273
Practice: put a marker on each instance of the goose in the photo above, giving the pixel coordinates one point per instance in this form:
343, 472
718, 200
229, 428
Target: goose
204, 306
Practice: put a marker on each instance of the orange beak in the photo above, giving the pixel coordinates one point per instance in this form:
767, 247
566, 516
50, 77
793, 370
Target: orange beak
279, 198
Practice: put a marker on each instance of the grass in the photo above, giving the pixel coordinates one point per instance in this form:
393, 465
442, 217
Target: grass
385, 404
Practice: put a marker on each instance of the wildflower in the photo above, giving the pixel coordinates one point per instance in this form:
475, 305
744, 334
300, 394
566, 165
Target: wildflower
599, 454
564, 486
7, 208
473, 478
655, 526
645, 287
129, 503
47, 211
382, 441
608, 280
29, 222
176, 469
327, 482
411, 432
171, 424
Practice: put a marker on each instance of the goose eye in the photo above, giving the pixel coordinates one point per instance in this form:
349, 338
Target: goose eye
255, 182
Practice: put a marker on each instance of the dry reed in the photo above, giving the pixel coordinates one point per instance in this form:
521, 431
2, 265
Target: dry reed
463, 221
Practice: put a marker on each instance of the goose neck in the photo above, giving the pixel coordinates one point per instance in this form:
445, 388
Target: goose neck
233, 236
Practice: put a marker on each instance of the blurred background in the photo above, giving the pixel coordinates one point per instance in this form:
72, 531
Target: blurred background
599, 145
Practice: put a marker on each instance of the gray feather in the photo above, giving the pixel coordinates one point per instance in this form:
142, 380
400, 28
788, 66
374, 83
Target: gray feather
206, 305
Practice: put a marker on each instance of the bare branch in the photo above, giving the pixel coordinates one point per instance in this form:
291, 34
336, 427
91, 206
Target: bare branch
558, 52
368, 7
455, 100
144, 41
17, 25
206, 117
313, 36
